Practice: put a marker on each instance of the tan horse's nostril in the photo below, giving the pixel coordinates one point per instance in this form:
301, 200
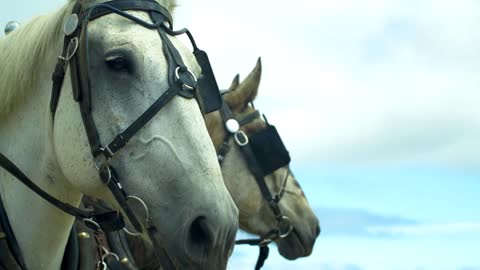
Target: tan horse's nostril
317, 231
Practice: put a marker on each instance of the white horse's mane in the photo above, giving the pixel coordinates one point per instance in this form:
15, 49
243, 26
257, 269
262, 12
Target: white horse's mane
23, 52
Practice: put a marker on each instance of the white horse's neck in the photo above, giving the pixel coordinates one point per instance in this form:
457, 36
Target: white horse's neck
25, 137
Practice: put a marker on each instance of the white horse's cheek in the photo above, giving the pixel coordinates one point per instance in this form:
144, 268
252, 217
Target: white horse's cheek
71, 146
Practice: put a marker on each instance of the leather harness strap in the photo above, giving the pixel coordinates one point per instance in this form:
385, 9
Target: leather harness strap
252, 163
241, 139
65, 207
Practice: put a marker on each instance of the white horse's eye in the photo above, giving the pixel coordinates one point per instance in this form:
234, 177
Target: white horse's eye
118, 63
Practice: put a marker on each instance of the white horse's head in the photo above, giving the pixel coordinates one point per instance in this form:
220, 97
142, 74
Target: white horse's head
256, 214
170, 162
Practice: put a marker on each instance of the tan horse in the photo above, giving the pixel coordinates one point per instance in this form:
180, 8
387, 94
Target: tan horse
255, 215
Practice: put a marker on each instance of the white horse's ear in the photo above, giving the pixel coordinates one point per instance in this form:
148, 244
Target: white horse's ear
235, 83
246, 91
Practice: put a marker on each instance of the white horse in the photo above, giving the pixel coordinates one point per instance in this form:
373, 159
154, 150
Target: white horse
170, 163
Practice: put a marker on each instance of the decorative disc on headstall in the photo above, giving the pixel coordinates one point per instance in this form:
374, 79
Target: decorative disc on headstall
12, 25
83, 235
232, 125
70, 25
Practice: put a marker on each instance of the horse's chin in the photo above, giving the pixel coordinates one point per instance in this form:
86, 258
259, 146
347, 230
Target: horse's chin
294, 246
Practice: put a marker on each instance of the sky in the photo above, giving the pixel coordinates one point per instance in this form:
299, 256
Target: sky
377, 102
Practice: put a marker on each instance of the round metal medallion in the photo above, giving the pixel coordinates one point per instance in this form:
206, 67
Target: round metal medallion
71, 24
83, 235
12, 25
232, 125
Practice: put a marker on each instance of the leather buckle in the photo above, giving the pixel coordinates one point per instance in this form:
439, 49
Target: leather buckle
241, 138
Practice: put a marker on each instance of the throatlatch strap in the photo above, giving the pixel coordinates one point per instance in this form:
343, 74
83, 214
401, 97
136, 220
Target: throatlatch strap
105, 220
65, 207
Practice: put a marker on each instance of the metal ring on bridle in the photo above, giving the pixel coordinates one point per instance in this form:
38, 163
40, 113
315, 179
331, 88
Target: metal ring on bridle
127, 231
284, 220
96, 227
184, 85
145, 207
108, 253
265, 242
147, 214
109, 172
101, 160
241, 142
71, 50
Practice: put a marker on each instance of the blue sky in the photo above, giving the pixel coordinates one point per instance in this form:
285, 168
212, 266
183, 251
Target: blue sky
388, 218
377, 102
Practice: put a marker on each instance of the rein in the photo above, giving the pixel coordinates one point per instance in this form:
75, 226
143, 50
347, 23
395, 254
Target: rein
75, 55
284, 227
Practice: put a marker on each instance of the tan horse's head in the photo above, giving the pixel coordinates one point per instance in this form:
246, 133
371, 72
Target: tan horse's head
255, 214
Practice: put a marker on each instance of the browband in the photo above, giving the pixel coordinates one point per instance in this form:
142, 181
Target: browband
143, 5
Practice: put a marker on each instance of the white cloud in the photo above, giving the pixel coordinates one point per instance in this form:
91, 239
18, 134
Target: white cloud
357, 81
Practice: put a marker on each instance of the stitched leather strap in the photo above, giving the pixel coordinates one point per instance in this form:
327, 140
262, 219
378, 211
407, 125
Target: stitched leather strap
107, 221
65, 207
257, 172
249, 118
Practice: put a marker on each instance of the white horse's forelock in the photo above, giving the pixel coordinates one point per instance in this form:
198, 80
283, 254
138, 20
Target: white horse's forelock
26, 48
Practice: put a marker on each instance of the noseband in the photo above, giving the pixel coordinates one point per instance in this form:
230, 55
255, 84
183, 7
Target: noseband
76, 56
260, 164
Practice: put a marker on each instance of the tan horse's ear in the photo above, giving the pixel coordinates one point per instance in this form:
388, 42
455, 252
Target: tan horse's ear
246, 91
235, 83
